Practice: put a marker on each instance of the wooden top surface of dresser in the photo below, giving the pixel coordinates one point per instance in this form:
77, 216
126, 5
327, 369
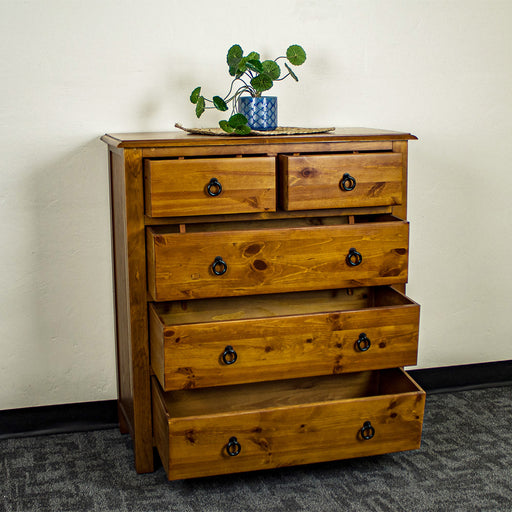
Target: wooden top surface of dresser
173, 139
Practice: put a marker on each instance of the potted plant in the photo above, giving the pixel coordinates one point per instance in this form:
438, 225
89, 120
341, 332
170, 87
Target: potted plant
250, 110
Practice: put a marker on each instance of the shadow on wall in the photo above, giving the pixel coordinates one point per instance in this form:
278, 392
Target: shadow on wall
70, 357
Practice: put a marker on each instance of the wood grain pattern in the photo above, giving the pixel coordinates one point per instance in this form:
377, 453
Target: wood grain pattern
175, 138
160, 420
278, 303
400, 210
269, 395
273, 260
131, 307
179, 187
121, 295
321, 423
283, 336
314, 181
279, 214
261, 148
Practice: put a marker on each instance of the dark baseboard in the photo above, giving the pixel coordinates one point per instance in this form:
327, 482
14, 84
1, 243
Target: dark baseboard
56, 419
464, 377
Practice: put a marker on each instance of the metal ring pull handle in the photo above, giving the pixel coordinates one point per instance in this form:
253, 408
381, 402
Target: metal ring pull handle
367, 431
354, 257
233, 447
348, 182
219, 266
214, 188
363, 343
229, 356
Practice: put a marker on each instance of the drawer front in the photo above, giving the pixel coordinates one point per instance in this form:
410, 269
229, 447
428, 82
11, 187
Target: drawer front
238, 340
256, 261
329, 428
209, 186
341, 181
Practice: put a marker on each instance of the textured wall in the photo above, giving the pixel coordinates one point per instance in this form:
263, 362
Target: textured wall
72, 70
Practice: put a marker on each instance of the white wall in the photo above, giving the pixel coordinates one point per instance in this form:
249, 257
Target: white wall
72, 70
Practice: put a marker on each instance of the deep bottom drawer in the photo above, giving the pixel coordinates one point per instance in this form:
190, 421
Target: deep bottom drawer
273, 424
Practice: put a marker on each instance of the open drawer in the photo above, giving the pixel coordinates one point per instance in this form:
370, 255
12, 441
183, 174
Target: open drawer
258, 257
273, 424
233, 340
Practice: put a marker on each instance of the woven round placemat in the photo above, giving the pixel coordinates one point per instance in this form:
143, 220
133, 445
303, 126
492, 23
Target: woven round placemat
280, 130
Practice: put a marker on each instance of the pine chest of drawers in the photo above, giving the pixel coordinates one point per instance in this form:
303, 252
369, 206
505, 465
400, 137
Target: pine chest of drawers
259, 285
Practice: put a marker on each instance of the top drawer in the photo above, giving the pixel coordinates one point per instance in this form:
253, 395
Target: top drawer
341, 181
209, 186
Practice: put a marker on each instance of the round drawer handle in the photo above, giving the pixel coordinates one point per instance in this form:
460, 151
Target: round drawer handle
233, 447
363, 343
229, 356
367, 431
348, 182
219, 266
214, 188
354, 257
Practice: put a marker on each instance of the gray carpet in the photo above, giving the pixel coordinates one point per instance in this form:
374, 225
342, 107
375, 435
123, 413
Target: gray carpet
464, 464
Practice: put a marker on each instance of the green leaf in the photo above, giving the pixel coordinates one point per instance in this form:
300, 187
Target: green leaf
242, 66
242, 130
253, 56
296, 55
219, 103
195, 95
272, 69
234, 56
293, 75
200, 106
226, 127
237, 120
235, 53
262, 82
255, 65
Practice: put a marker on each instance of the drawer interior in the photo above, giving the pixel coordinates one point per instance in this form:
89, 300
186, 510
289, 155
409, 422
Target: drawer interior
280, 304
287, 393
274, 224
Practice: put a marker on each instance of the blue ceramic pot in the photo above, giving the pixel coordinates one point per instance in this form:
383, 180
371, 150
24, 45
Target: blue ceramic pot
261, 112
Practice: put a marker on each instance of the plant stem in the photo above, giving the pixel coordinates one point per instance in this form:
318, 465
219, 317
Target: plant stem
230, 89
226, 98
235, 99
239, 91
246, 85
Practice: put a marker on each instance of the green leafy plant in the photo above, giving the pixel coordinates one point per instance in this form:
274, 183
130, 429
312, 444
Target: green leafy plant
252, 76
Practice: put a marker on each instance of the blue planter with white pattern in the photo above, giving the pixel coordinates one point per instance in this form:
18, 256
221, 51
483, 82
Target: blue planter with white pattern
261, 113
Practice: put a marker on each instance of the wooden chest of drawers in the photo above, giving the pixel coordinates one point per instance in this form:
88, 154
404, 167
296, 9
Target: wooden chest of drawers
260, 314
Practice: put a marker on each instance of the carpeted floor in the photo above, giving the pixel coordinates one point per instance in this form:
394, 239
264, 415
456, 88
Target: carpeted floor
464, 464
